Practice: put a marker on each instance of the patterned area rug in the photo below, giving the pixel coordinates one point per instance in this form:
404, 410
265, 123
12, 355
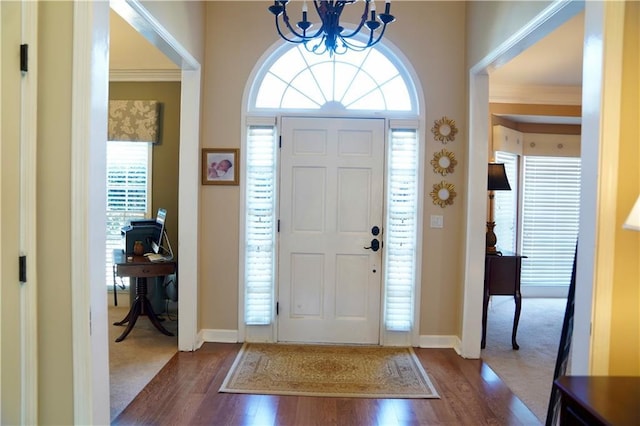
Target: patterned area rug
336, 371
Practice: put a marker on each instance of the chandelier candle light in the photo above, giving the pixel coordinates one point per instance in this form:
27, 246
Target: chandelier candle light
331, 36
497, 181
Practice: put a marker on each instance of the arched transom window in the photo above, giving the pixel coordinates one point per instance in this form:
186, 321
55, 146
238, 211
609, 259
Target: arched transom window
354, 81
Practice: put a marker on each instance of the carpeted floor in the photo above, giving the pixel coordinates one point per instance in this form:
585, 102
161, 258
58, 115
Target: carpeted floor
138, 358
328, 370
528, 372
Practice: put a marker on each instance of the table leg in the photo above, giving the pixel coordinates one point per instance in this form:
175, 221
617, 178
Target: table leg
147, 310
485, 306
141, 306
125, 319
132, 317
516, 318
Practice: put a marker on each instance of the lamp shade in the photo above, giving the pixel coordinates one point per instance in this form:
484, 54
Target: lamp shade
633, 221
497, 178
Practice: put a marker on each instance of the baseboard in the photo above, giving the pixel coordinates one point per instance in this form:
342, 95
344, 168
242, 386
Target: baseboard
452, 342
217, 336
545, 292
231, 336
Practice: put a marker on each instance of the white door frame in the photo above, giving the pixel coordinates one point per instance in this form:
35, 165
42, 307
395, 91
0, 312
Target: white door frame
553, 16
28, 171
90, 88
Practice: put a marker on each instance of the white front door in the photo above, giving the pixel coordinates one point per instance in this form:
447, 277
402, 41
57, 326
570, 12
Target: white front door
331, 201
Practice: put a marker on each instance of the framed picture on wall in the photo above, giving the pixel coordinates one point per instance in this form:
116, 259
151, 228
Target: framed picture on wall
220, 166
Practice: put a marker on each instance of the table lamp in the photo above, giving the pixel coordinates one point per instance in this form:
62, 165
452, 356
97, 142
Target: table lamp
497, 181
633, 221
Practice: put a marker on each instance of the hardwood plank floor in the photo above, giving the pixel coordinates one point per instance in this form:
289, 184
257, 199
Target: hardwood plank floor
185, 392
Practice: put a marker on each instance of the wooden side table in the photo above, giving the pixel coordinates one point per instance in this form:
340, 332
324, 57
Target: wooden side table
599, 400
502, 278
140, 268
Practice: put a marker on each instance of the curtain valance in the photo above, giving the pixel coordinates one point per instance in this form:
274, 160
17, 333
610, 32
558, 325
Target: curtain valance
135, 121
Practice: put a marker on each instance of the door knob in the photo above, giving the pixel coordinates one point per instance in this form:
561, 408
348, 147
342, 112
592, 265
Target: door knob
375, 245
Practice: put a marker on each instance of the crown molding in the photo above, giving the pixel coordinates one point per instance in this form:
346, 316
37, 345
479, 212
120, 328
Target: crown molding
551, 95
145, 75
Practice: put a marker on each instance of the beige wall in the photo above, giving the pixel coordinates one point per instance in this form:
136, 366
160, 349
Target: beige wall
624, 355
165, 154
231, 55
55, 360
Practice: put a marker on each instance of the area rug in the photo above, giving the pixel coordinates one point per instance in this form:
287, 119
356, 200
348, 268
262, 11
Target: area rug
325, 370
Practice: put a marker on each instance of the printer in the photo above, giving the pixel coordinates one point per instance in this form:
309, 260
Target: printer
138, 230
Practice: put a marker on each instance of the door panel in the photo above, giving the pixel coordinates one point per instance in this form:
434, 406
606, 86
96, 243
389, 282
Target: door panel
331, 197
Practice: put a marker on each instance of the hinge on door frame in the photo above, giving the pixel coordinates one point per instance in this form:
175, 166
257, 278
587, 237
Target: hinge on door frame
24, 57
279, 141
277, 308
278, 225
22, 269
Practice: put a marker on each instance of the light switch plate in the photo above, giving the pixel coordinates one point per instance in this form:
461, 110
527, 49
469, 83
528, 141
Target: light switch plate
437, 221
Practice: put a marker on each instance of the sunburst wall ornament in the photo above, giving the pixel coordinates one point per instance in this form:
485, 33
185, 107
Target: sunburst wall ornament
443, 162
443, 194
444, 130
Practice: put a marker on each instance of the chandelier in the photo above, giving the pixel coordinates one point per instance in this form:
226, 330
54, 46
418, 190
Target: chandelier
331, 36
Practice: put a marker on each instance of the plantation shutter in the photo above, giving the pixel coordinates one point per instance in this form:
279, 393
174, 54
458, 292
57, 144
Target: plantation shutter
128, 191
506, 204
401, 229
260, 228
551, 204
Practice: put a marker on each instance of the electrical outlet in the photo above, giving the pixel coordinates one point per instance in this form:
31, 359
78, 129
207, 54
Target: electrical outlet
437, 221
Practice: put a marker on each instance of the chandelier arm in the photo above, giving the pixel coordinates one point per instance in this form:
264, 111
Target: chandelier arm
303, 37
363, 19
285, 19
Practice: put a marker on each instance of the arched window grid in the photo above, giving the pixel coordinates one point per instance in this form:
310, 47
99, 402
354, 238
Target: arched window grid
363, 82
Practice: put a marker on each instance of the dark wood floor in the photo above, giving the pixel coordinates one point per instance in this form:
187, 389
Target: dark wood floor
185, 392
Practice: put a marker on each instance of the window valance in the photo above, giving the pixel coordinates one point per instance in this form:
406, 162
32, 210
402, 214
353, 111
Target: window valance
135, 121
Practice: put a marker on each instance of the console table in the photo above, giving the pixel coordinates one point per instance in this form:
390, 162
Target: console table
502, 278
140, 268
599, 400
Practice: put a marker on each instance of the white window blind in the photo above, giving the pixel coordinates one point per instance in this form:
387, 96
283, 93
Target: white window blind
260, 227
128, 191
551, 203
506, 204
401, 229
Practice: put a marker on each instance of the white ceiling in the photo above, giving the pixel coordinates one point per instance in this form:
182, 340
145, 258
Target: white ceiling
556, 60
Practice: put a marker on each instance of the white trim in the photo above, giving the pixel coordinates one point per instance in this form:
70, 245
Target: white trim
145, 75
88, 206
548, 95
219, 336
547, 292
604, 35
148, 26
428, 341
550, 18
28, 209
189, 208
188, 198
